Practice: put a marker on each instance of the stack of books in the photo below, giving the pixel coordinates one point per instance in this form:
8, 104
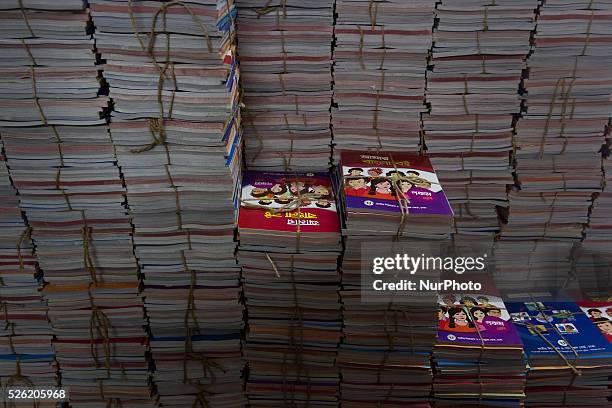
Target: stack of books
599, 231
545, 264
100, 341
392, 194
591, 272
289, 260
93, 291
62, 162
553, 212
380, 60
568, 106
386, 348
385, 353
478, 355
285, 59
26, 355
478, 57
47, 72
195, 322
174, 81
569, 355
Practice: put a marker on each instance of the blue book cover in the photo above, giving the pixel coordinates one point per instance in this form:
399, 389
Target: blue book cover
562, 324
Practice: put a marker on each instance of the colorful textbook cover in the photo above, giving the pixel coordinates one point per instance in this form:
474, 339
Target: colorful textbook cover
535, 320
475, 319
265, 194
371, 182
600, 313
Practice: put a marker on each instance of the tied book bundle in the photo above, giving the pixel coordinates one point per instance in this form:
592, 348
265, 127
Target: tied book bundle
478, 59
285, 49
392, 194
380, 60
62, 162
55, 140
174, 81
478, 355
568, 106
289, 248
47, 72
95, 307
26, 355
568, 353
288, 212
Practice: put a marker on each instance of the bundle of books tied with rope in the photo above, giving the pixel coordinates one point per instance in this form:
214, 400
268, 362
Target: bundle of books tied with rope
289, 248
174, 80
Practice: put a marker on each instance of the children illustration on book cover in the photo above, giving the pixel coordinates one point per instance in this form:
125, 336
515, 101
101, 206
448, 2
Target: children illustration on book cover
279, 201
600, 313
380, 180
475, 319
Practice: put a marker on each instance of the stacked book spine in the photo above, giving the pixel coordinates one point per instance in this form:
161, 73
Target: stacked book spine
285, 59
62, 163
175, 126
568, 106
380, 60
26, 354
478, 58
599, 231
289, 249
543, 263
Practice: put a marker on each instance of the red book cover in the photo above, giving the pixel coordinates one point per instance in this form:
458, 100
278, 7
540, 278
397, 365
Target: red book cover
266, 196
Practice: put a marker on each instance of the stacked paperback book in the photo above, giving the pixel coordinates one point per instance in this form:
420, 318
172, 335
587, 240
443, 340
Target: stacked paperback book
568, 105
478, 355
174, 81
61, 160
478, 57
289, 247
380, 60
285, 59
26, 355
569, 353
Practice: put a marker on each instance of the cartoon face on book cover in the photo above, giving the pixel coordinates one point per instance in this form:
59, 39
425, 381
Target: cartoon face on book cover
475, 319
266, 194
562, 324
375, 180
600, 313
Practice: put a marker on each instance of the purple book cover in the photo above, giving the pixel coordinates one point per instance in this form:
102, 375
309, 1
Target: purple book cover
367, 183
475, 318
